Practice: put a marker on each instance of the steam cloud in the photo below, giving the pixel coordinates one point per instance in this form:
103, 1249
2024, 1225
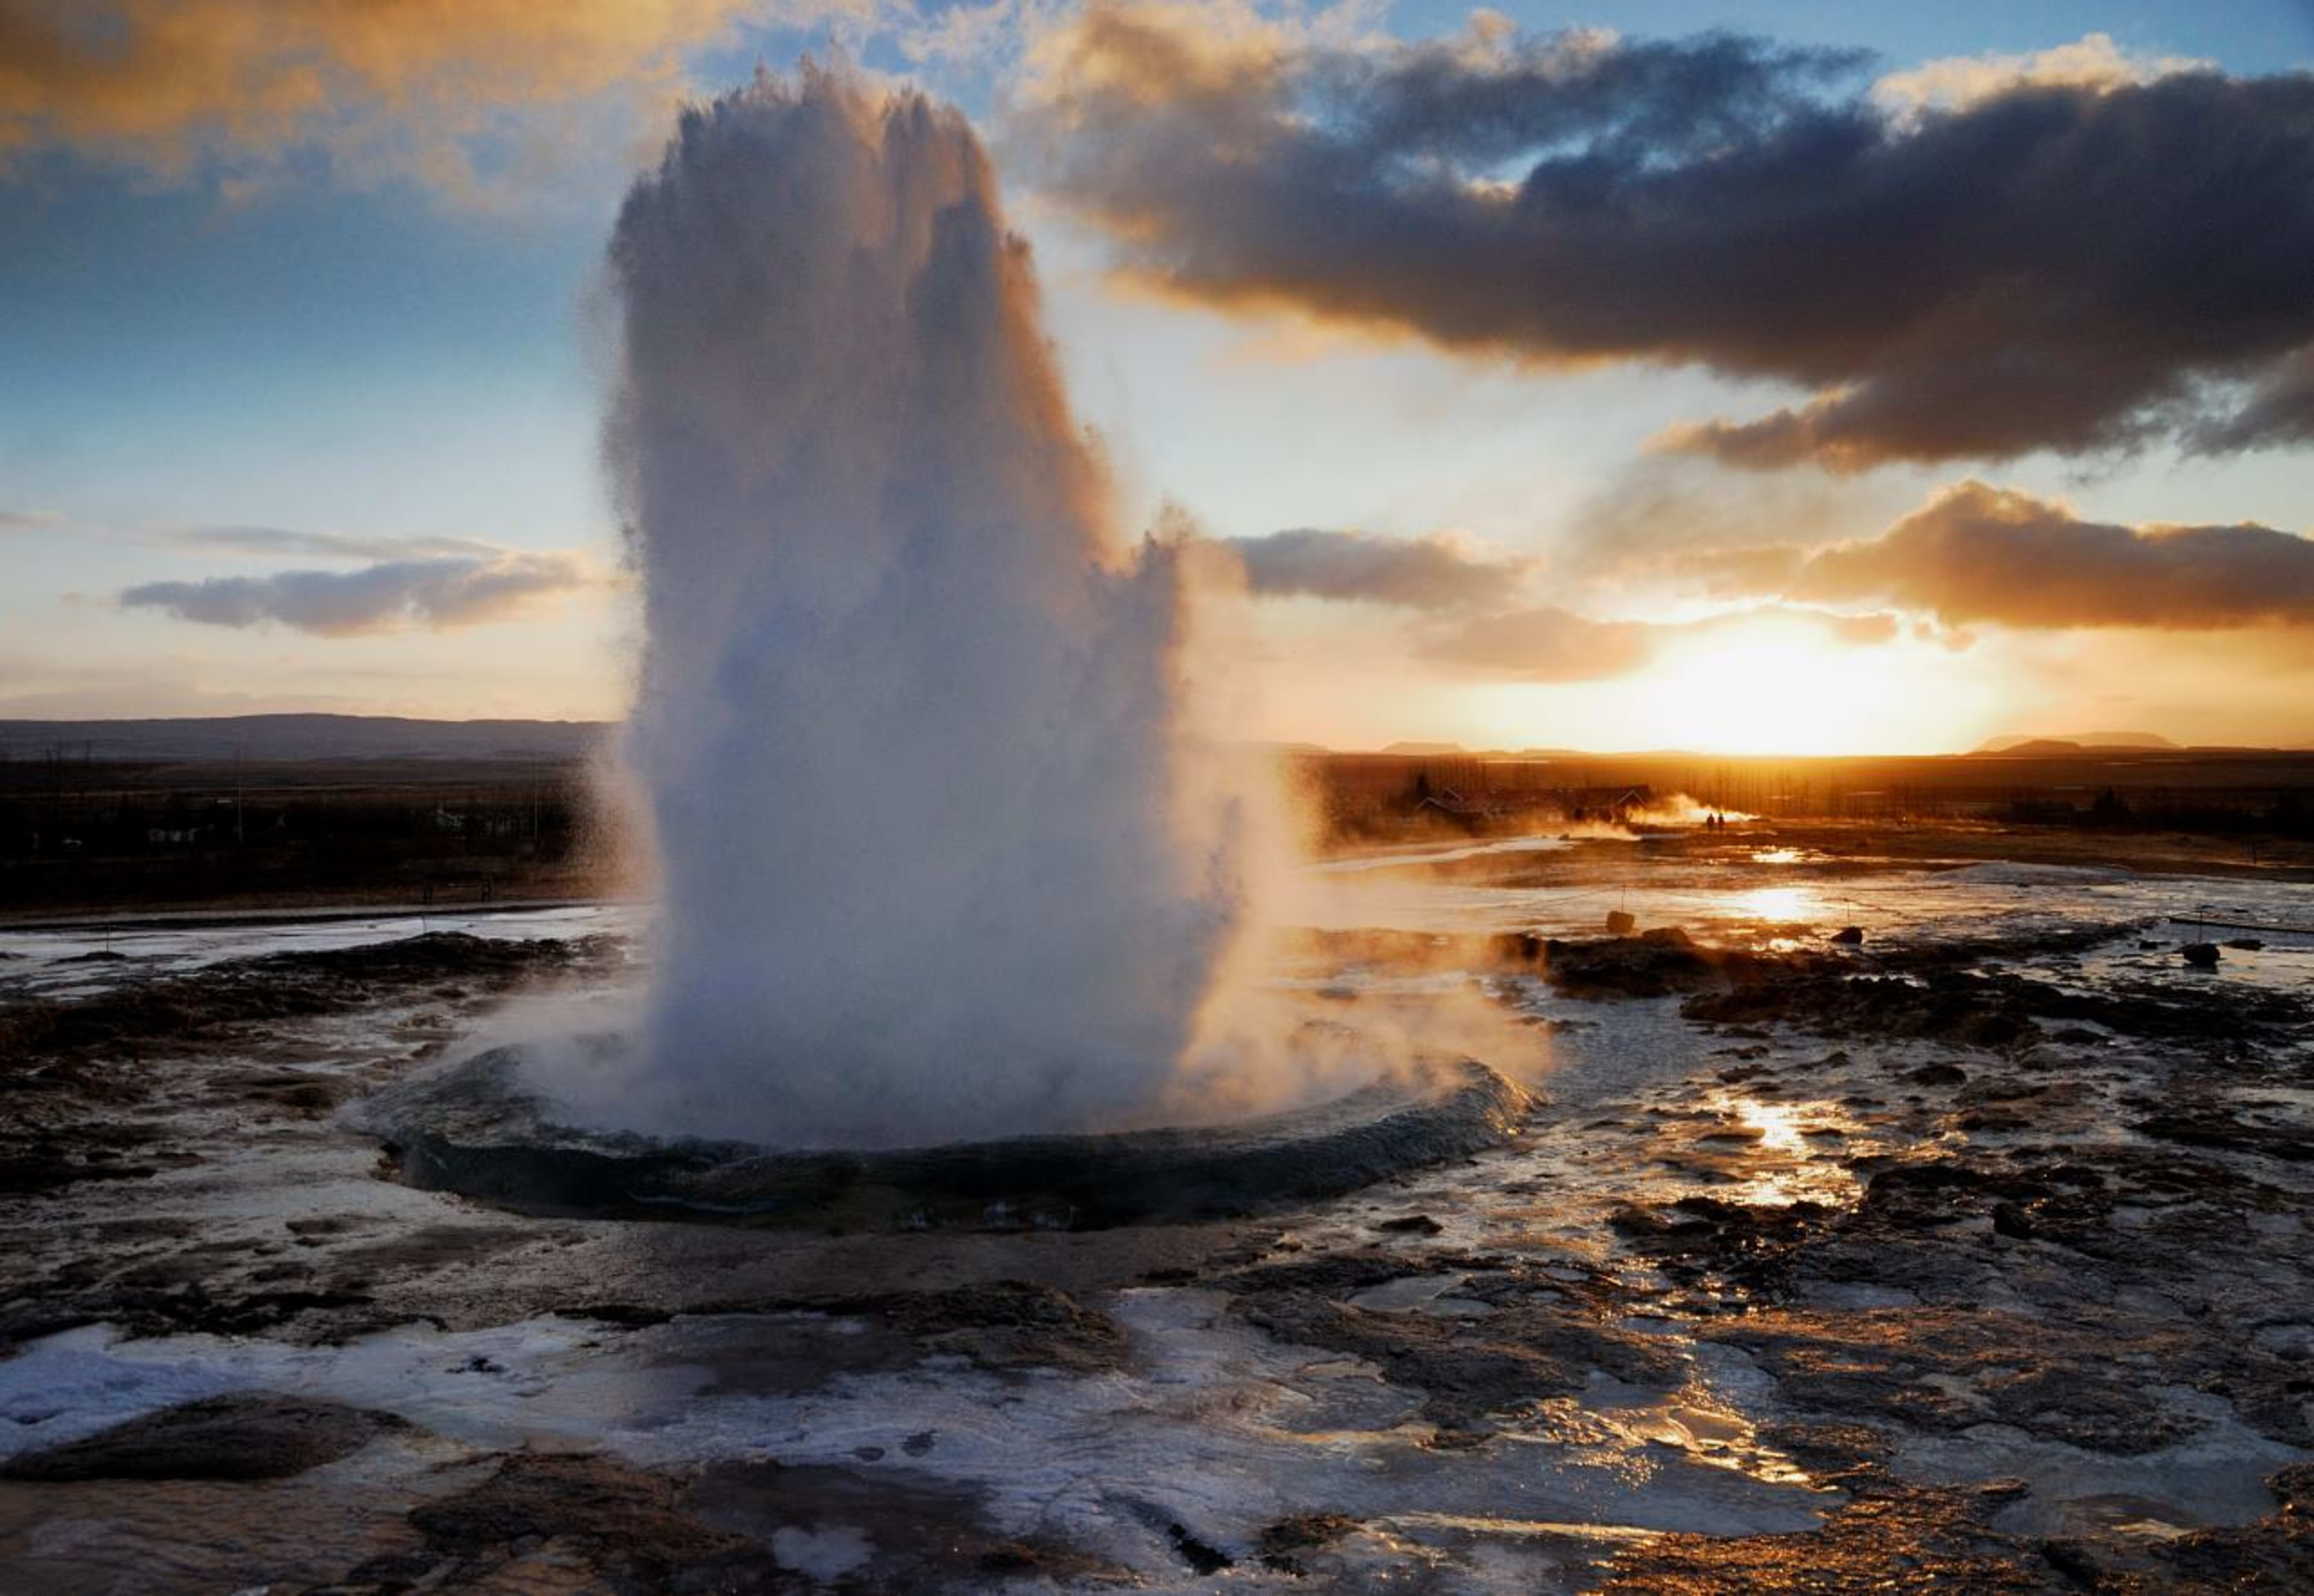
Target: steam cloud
2063, 254
442, 593
941, 856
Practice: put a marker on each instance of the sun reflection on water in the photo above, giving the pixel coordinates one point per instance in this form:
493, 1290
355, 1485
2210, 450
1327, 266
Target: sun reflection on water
1775, 905
1779, 1124
1790, 1162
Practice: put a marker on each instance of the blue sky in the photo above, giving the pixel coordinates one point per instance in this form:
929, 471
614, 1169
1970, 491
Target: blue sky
321, 337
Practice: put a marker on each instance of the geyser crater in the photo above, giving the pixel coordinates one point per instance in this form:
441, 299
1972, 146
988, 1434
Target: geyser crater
475, 1130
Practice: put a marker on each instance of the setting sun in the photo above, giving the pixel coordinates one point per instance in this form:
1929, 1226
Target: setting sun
1775, 685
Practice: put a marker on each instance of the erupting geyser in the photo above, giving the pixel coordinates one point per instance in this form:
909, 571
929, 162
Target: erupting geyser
941, 856
952, 861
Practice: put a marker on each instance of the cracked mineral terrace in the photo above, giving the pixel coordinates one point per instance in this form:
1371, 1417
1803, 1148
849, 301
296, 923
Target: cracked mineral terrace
1970, 1252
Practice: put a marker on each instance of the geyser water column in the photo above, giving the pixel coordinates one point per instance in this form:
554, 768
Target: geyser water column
951, 862
939, 856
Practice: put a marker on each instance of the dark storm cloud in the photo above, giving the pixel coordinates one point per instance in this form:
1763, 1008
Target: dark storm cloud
1431, 573
442, 593
2079, 266
1556, 644
1977, 554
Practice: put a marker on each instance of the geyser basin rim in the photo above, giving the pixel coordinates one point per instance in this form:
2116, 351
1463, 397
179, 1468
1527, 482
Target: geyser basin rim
474, 1129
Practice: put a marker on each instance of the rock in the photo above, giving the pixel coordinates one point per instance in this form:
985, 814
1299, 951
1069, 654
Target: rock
1947, 1370
2294, 1487
2214, 1125
1281, 1543
1619, 924
1201, 1556
1849, 936
202, 1011
1005, 1323
1412, 1224
247, 1435
2248, 944
1531, 1346
1890, 1537
1938, 1075
34, 1175
2202, 955
625, 1523
1651, 965
1515, 947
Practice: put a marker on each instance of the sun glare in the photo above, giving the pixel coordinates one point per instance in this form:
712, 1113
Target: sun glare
1775, 686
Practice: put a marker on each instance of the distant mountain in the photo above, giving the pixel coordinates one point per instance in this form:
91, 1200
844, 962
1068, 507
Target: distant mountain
2074, 742
2038, 748
291, 738
1433, 749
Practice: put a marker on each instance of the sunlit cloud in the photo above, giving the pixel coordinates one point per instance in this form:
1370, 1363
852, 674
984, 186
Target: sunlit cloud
1976, 555
407, 86
2093, 62
442, 593
277, 541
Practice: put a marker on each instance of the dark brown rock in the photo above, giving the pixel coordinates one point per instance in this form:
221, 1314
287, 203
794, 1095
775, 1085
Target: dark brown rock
247, 1435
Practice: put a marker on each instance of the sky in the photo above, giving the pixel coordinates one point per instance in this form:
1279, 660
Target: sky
1799, 377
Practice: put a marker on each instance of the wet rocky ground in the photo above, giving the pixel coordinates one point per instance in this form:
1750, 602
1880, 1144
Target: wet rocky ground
1978, 1263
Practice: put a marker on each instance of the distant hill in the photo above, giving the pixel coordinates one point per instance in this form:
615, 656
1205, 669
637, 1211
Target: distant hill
294, 737
1431, 749
2074, 742
2038, 748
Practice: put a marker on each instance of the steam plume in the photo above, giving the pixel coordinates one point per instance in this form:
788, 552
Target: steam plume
941, 858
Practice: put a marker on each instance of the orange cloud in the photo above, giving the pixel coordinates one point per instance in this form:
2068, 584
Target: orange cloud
162, 83
1977, 554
